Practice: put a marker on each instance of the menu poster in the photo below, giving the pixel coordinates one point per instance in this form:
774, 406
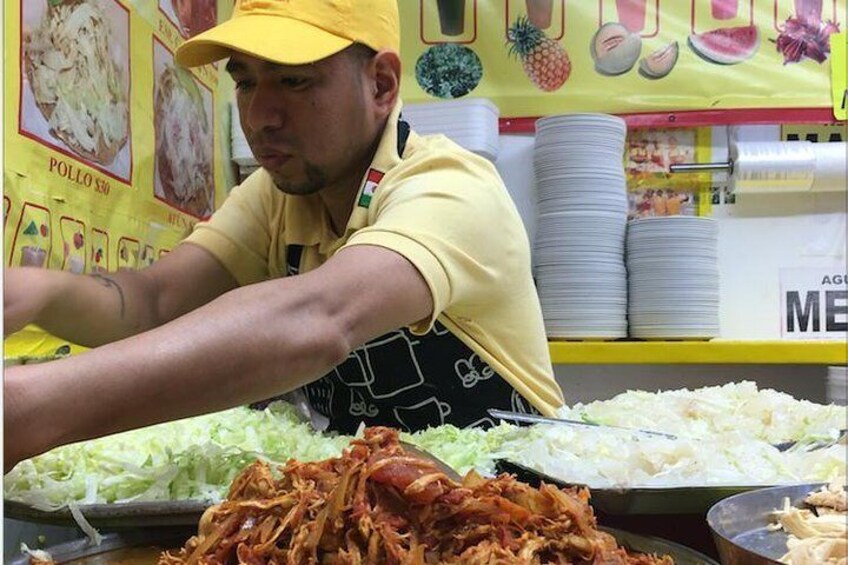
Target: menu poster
540, 57
814, 303
98, 174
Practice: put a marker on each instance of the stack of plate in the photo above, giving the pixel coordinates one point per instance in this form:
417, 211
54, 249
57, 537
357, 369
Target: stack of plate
837, 385
471, 123
579, 248
672, 263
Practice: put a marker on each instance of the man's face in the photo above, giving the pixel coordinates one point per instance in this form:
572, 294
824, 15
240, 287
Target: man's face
309, 126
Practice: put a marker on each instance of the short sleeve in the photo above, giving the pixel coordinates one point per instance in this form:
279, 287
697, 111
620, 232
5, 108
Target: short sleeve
239, 233
442, 217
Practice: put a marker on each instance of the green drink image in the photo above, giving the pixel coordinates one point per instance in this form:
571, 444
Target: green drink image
452, 16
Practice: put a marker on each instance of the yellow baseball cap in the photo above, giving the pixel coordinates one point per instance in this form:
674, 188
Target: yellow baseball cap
296, 32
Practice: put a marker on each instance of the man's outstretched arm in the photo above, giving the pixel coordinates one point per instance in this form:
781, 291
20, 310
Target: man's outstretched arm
92, 310
251, 343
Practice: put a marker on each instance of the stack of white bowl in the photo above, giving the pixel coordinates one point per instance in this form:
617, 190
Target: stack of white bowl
672, 263
837, 385
579, 249
472, 123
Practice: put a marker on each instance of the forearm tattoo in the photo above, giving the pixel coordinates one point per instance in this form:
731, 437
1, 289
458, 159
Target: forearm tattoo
110, 283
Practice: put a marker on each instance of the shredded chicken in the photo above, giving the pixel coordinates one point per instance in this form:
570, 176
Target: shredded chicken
818, 536
377, 505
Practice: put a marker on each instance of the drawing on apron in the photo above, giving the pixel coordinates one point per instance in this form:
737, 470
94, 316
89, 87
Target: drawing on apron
473, 370
360, 407
429, 412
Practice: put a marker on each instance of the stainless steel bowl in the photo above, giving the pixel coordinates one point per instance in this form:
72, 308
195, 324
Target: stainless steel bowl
740, 524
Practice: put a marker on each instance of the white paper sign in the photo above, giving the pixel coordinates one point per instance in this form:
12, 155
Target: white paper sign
814, 303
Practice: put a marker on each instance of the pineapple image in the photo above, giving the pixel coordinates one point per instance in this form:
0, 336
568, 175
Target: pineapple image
544, 60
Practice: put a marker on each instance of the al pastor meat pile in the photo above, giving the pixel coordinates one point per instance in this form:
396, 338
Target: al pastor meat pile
377, 504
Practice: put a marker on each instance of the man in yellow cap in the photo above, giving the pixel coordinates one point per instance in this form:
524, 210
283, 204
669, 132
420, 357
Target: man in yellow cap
383, 275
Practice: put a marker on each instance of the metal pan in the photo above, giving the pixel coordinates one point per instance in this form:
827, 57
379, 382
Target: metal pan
144, 546
739, 524
138, 546
122, 515
637, 500
682, 555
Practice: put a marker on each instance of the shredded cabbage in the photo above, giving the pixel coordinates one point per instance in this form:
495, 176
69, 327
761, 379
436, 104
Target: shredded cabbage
195, 458
765, 414
725, 435
465, 450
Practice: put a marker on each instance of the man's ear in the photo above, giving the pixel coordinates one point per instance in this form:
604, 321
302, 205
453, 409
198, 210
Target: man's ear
385, 69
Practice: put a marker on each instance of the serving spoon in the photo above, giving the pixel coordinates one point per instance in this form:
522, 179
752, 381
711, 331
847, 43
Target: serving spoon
416, 451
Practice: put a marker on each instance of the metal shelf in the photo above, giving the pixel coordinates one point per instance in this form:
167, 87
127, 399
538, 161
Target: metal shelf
699, 352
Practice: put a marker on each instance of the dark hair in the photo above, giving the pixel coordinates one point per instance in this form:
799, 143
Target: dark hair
360, 53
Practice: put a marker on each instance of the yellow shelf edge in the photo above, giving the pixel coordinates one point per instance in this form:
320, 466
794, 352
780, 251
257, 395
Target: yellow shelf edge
699, 352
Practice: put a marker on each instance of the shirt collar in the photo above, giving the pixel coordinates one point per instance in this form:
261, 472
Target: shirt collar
307, 221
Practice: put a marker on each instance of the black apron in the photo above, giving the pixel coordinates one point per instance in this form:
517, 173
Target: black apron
408, 381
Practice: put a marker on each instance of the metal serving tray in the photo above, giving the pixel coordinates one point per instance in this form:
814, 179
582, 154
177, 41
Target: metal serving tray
637, 500
120, 515
143, 546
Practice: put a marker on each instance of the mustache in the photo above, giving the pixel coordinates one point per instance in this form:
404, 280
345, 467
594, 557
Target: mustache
271, 139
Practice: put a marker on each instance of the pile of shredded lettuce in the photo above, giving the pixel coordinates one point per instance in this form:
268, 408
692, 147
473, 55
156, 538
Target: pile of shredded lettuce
725, 437
467, 449
195, 458
741, 407
603, 459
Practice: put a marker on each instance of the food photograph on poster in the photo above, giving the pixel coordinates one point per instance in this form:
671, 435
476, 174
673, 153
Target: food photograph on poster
183, 123
75, 88
190, 16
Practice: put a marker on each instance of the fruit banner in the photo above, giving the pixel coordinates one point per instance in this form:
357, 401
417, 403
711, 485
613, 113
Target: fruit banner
540, 57
112, 153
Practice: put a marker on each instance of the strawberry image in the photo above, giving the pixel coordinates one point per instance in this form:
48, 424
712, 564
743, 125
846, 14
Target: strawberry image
44, 231
544, 60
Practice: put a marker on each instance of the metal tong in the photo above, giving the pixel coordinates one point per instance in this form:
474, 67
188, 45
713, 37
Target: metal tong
794, 445
533, 419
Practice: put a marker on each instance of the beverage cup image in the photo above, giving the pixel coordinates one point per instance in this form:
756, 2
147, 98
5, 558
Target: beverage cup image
808, 10
631, 14
724, 9
32, 256
76, 264
452, 16
539, 12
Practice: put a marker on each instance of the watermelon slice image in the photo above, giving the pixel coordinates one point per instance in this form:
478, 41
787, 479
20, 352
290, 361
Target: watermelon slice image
726, 46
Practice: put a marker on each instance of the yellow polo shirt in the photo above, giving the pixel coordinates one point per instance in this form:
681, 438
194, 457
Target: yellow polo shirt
443, 208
